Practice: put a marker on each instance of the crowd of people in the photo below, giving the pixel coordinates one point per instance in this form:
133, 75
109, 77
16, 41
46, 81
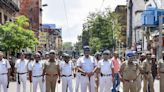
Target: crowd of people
102, 72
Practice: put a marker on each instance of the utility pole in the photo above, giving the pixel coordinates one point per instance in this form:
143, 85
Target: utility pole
130, 9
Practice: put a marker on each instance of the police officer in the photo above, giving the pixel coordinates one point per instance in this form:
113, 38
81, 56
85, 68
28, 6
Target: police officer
86, 65
21, 67
129, 73
36, 73
160, 72
147, 77
106, 70
4, 72
140, 72
66, 69
52, 72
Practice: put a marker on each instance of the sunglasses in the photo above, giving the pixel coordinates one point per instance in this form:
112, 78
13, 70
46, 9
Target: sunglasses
52, 53
105, 54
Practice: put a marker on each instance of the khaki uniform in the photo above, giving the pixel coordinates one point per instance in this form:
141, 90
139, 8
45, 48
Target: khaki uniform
161, 70
129, 73
51, 70
147, 78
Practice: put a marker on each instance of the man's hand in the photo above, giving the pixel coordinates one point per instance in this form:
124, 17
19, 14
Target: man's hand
90, 74
30, 79
158, 76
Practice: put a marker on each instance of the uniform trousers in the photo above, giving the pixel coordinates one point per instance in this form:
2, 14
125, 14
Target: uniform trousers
67, 83
3, 82
23, 79
36, 81
161, 82
150, 82
106, 83
86, 81
51, 83
78, 75
139, 81
130, 86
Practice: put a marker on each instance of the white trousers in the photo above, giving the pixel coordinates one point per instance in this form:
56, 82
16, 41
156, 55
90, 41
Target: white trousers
23, 79
3, 82
67, 83
86, 81
78, 75
106, 84
36, 81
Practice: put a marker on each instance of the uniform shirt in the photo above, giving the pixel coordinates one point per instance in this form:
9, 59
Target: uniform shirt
87, 64
161, 65
36, 68
4, 66
21, 66
105, 66
116, 64
129, 71
66, 68
147, 66
52, 67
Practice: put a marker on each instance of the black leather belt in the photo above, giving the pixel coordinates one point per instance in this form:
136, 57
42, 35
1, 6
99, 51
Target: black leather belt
37, 76
83, 74
66, 75
22, 73
3, 73
105, 74
147, 72
161, 72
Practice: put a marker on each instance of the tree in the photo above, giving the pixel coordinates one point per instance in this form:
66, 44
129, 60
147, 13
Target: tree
14, 36
67, 46
101, 29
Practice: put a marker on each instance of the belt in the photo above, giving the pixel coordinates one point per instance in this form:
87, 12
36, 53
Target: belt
52, 75
38, 76
66, 75
147, 72
22, 73
130, 80
83, 74
105, 74
3, 73
161, 72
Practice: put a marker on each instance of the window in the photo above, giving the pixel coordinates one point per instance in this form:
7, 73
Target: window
5, 18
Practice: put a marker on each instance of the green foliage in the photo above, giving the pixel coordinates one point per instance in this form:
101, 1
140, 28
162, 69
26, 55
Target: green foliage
101, 30
14, 36
67, 46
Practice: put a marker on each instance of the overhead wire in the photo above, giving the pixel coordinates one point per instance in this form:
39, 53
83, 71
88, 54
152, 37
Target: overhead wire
65, 11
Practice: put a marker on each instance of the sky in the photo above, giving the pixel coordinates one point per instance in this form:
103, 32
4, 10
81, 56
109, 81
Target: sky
71, 14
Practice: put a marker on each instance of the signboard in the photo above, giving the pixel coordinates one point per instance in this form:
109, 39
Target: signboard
42, 38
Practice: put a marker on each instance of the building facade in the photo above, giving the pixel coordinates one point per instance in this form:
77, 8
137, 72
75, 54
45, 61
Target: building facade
32, 9
8, 10
54, 37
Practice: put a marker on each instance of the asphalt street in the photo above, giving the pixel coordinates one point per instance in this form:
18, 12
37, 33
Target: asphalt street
58, 88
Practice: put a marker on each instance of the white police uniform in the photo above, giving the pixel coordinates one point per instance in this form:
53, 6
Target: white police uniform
37, 78
78, 76
21, 70
106, 83
88, 65
66, 76
4, 66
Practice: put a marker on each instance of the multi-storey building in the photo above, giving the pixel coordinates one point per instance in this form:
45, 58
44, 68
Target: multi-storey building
8, 10
32, 10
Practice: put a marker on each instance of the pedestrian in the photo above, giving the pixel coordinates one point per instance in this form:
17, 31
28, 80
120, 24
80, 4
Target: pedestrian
4, 72
160, 72
66, 68
52, 72
98, 58
86, 65
106, 70
36, 73
147, 77
154, 67
117, 63
21, 67
129, 73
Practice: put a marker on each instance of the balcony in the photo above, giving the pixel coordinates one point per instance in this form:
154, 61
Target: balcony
10, 5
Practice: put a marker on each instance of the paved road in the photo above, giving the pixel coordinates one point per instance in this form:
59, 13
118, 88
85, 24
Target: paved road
13, 87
